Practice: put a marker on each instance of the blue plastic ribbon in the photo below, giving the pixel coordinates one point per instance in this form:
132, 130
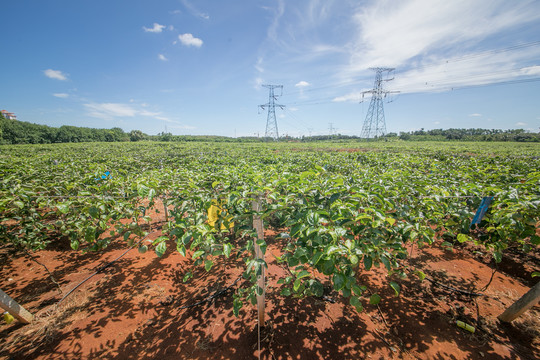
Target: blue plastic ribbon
482, 209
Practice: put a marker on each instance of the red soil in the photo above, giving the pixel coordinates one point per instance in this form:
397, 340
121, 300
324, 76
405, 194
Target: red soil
132, 311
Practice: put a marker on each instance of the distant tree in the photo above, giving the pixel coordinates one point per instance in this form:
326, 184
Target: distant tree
136, 135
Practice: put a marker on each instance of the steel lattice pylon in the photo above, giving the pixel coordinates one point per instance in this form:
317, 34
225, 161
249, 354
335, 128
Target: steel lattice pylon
375, 124
271, 122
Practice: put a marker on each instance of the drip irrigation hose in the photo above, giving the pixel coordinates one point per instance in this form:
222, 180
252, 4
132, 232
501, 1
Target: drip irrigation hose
468, 293
213, 296
103, 267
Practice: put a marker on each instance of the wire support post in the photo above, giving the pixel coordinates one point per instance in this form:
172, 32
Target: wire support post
12, 307
261, 278
271, 122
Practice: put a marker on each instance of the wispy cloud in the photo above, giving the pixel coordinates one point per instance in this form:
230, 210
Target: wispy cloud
109, 111
475, 115
430, 43
162, 57
190, 40
521, 123
55, 74
302, 84
112, 111
257, 83
353, 96
157, 28
61, 95
194, 11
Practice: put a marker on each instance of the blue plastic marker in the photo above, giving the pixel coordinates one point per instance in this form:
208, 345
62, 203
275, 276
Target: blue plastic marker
484, 205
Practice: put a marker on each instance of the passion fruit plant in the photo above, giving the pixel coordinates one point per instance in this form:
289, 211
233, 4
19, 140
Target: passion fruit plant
340, 213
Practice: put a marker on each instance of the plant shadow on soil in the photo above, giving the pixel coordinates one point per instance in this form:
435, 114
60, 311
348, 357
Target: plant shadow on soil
142, 300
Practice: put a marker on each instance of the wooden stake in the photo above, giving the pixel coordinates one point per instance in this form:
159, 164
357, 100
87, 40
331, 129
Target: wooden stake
527, 301
11, 306
258, 225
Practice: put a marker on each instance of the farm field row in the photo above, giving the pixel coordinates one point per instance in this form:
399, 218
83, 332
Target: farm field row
340, 211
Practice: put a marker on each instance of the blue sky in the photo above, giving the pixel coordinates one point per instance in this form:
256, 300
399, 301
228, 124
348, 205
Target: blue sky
196, 67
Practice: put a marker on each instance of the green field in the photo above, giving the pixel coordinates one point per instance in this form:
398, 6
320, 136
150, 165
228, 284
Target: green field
340, 207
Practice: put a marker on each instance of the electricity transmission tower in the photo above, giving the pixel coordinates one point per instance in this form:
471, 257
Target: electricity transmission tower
374, 124
271, 122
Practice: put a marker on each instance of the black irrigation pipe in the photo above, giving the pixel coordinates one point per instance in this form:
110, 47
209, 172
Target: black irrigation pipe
103, 267
213, 296
468, 293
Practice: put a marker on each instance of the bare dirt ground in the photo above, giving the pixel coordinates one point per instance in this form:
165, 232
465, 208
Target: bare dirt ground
132, 310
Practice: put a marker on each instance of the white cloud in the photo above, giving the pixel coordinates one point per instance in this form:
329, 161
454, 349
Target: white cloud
162, 57
156, 29
302, 84
61, 95
257, 83
258, 65
189, 40
354, 96
391, 33
436, 122
530, 70
193, 10
110, 110
520, 123
475, 115
417, 36
55, 74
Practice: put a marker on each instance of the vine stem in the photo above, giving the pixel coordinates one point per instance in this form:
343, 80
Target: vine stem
45, 267
491, 278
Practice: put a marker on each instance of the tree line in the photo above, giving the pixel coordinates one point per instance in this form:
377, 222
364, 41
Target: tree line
20, 132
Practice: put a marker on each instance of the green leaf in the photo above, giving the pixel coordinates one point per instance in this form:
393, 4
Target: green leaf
94, 212
374, 299
20, 205
160, 240
161, 248
317, 288
181, 249
143, 249
420, 274
90, 234
197, 253
357, 290
368, 262
386, 263
339, 281
227, 249
303, 274
297, 284
316, 257
395, 286
497, 256
208, 265
463, 238
391, 221
151, 194
354, 301
188, 276
286, 292
237, 305
535, 274
63, 208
